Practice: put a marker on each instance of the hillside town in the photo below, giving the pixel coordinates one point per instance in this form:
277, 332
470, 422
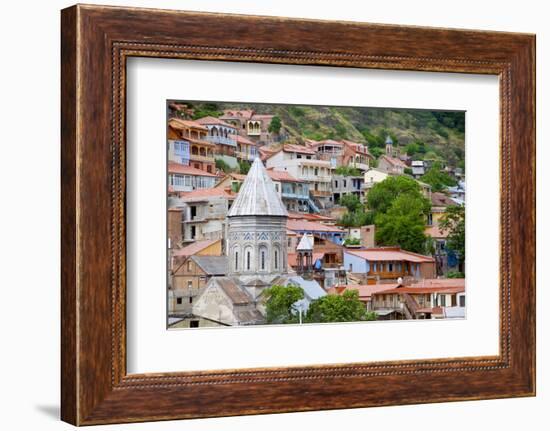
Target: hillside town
265, 227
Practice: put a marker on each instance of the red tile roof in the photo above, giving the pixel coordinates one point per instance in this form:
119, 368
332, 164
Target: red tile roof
312, 217
441, 200
194, 248
292, 148
266, 153
441, 282
242, 140
305, 225
365, 290
214, 120
178, 123
393, 161
423, 290
282, 176
436, 232
390, 254
178, 168
207, 193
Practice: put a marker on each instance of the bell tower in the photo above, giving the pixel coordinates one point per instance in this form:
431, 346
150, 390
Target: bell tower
256, 232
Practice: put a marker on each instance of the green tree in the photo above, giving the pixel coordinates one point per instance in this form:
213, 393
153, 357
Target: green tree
412, 149
206, 110
454, 220
280, 302
351, 202
438, 179
404, 223
275, 125
244, 167
222, 165
338, 308
382, 194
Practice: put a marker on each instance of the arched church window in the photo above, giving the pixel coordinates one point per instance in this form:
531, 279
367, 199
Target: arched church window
276, 259
263, 258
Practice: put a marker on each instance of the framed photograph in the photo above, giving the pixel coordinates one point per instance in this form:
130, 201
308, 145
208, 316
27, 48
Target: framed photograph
266, 215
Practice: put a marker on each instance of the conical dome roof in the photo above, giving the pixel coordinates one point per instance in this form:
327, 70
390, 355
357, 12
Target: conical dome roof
257, 195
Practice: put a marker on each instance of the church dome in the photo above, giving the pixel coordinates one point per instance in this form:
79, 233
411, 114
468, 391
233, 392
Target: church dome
257, 196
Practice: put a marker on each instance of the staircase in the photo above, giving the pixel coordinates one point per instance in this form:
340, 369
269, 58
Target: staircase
410, 306
312, 205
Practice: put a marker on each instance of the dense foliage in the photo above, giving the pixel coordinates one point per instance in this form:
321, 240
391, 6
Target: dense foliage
400, 212
338, 308
222, 165
356, 215
275, 125
280, 303
244, 167
438, 179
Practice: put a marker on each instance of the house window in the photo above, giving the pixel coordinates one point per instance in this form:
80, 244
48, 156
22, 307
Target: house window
351, 267
462, 301
442, 300
179, 300
345, 183
194, 324
190, 300
390, 266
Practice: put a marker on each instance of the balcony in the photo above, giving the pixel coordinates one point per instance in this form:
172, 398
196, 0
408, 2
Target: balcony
222, 140
291, 195
199, 158
321, 193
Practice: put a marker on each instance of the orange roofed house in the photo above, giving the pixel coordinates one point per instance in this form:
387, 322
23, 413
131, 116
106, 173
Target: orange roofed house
365, 291
388, 263
188, 144
426, 299
182, 178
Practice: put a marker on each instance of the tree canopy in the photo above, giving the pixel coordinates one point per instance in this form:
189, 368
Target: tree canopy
438, 179
400, 212
280, 302
275, 125
338, 308
403, 224
382, 194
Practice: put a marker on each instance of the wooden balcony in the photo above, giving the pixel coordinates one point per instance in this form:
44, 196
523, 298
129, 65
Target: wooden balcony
199, 158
